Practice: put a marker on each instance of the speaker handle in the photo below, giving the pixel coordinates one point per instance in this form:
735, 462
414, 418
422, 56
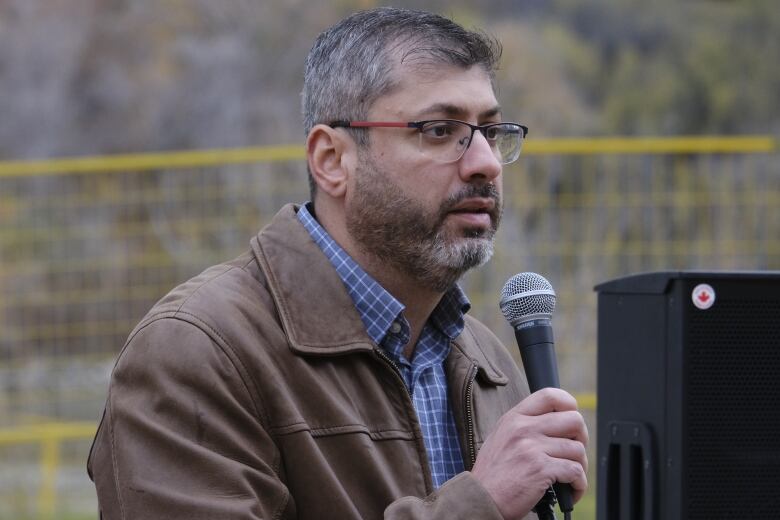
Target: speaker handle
630, 470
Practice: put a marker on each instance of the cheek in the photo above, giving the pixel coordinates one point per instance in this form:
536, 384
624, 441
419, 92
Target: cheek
428, 194
352, 190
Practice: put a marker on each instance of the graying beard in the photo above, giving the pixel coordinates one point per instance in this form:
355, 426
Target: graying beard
450, 262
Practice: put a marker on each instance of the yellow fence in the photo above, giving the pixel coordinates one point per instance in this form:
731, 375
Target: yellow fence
88, 244
49, 437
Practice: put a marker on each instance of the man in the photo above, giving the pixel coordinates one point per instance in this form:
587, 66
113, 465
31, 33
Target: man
331, 371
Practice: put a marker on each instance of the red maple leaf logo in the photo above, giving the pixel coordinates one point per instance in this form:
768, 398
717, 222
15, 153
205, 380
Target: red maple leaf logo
703, 297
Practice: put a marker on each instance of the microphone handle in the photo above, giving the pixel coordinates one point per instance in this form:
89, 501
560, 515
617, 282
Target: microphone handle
537, 350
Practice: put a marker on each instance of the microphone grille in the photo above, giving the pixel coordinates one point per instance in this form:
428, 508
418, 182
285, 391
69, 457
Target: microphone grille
526, 294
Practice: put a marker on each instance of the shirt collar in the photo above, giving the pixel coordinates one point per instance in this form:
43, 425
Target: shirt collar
448, 314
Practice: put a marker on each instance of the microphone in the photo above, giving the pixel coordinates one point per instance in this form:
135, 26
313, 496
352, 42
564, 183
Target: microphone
527, 302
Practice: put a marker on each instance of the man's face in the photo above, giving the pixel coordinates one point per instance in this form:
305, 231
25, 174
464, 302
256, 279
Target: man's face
429, 219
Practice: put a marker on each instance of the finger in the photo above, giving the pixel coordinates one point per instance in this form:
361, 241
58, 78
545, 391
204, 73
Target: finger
572, 473
566, 471
567, 425
567, 449
545, 401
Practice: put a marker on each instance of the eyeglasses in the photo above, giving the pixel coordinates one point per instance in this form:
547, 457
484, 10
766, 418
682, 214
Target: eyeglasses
446, 140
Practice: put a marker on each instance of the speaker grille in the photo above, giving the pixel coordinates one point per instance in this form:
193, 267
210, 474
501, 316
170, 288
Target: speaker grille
733, 409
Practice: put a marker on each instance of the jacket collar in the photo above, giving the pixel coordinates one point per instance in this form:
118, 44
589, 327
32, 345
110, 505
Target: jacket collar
468, 346
314, 307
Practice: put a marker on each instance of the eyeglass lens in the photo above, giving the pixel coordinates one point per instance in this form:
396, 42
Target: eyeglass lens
448, 140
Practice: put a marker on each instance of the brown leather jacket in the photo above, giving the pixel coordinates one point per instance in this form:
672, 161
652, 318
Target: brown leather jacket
252, 391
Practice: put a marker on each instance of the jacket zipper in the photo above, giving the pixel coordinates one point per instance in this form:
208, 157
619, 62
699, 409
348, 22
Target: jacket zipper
469, 408
396, 369
470, 416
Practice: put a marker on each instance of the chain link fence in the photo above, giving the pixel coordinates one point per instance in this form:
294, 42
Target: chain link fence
88, 245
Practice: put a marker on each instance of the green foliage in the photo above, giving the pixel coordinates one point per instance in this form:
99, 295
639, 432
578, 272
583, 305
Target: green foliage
672, 68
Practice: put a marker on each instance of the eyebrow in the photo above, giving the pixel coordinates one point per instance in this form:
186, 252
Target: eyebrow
454, 111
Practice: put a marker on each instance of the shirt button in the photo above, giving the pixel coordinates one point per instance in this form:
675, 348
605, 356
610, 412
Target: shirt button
395, 327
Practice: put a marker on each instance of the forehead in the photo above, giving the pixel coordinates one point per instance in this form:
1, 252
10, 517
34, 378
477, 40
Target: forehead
437, 91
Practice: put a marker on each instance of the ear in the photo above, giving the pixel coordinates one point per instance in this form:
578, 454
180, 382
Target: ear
330, 153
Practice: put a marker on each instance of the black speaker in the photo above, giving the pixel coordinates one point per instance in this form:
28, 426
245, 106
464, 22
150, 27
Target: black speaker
689, 396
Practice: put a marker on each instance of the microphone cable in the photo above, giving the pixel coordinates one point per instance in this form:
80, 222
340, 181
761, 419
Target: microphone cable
545, 508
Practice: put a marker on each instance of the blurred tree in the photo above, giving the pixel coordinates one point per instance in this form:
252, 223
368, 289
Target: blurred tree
87, 76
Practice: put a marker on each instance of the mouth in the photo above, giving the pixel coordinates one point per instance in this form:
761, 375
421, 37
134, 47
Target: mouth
476, 212
474, 206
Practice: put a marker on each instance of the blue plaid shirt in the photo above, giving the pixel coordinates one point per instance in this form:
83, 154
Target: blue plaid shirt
424, 376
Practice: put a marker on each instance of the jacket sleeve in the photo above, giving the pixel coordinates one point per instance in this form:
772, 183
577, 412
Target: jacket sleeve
180, 435
460, 497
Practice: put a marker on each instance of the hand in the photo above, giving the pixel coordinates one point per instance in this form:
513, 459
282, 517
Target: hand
538, 442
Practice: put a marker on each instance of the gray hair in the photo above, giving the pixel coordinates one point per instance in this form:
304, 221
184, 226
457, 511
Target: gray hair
350, 65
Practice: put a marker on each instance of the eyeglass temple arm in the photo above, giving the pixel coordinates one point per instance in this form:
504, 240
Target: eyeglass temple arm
367, 124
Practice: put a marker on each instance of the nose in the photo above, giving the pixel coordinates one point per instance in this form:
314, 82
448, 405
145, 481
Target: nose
479, 162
